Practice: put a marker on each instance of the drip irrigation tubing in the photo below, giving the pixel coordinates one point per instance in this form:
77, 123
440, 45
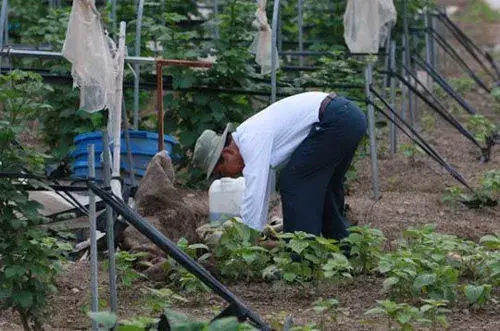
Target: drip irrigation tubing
417, 139
437, 106
143, 226
454, 55
444, 84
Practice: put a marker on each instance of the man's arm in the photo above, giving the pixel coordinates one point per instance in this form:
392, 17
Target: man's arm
256, 152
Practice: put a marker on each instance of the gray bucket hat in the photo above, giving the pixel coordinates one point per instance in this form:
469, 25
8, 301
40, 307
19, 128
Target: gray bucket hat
208, 149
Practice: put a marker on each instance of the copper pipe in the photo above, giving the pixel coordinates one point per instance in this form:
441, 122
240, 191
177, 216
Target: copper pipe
159, 89
184, 63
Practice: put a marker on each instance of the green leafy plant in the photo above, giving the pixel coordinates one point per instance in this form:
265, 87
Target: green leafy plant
411, 151
238, 255
183, 278
177, 322
478, 295
125, 262
402, 314
490, 242
462, 84
29, 258
366, 247
302, 257
481, 127
160, 299
328, 309
435, 311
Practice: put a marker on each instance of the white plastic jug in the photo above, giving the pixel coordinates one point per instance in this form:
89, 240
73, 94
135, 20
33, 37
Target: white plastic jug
224, 198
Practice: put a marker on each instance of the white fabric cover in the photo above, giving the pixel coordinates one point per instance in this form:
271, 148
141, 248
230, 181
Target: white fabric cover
262, 45
88, 49
367, 24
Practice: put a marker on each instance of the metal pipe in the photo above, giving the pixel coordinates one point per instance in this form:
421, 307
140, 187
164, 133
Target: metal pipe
407, 57
110, 228
300, 17
130, 159
3, 15
393, 134
274, 55
3, 18
137, 66
159, 104
428, 45
113, 15
403, 88
94, 304
371, 130
216, 19
387, 61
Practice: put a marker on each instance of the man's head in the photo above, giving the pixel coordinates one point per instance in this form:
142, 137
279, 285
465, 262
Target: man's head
218, 154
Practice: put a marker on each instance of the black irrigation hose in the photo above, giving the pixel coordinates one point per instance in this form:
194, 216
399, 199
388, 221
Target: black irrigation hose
470, 46
443, 83
440, 109
143, 226
454, 55
417, 138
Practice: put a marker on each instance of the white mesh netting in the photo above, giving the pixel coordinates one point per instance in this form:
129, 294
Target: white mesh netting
367, 24
262, 44
89, 50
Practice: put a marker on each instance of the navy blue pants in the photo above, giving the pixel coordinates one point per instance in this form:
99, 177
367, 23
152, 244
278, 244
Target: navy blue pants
312, 183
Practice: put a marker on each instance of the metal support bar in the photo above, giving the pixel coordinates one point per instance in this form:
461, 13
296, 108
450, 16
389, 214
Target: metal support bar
407, 57
387, 60
428, 45
113, 15
137, 66
371, 130
274, 55
94, 304
300, 18
176, 253
216, 18
393, 135
404, 90
110, 228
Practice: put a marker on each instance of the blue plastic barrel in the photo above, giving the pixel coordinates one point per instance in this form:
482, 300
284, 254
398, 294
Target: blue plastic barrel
143, 145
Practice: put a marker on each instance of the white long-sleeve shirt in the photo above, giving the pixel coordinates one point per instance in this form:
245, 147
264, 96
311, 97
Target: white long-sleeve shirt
266, 141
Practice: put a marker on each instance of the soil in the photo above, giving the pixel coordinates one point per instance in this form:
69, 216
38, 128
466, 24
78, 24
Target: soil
412, 190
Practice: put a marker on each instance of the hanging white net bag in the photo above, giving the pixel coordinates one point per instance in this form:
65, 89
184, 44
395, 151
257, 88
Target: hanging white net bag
387, 19
88, 49
262, 44
367, 23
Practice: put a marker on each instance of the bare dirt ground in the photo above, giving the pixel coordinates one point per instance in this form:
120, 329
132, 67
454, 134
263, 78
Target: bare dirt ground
411, 196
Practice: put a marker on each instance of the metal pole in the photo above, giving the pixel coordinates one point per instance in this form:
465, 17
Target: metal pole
94, 306
3, 15
130, 159
407, 57
216, 21
137, 66
274, 51
110, 228
387, 62
300, 17
159, 104
393, 135
403, 88
415, 68
113, 15
428, 45
371, 130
